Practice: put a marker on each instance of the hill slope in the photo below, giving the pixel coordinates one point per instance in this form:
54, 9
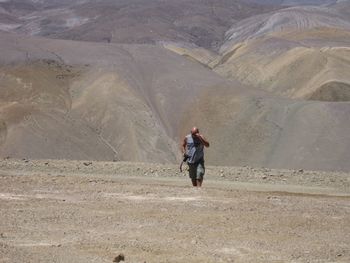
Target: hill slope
79, 100
199, 22
306, 56
104, 101
122, 98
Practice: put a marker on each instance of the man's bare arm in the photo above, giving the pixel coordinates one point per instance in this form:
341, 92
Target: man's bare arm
203, 139
184, 144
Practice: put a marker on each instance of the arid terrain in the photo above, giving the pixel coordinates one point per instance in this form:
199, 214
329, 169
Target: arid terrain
97, 95
267, 82
82, 211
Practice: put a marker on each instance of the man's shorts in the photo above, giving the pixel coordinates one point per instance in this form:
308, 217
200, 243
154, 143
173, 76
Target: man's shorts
196, 170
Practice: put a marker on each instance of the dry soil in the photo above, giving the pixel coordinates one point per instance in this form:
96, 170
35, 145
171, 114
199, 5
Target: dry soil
75, 211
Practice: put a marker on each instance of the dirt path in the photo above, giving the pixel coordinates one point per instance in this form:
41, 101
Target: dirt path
59, 211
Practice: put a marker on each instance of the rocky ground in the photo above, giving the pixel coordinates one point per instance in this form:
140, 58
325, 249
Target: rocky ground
82, 211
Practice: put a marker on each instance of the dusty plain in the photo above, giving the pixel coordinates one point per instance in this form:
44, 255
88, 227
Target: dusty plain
83, 211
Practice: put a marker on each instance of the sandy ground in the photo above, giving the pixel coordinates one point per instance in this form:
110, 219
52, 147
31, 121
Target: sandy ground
75, 211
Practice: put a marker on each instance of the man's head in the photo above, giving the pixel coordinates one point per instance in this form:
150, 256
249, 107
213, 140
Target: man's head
194, 130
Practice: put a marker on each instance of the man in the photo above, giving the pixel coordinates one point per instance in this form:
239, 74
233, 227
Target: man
193, 148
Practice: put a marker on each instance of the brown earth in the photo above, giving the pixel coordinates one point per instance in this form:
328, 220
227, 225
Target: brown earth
268, 86
77, 100
75, 211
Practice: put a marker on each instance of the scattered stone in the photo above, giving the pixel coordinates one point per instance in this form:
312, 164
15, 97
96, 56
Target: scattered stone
47, 163
87, 163
264, 177
339, 255
300, 170
119, 258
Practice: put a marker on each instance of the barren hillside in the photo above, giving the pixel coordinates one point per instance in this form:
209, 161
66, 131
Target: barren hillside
274, 94
199, 22
113, 97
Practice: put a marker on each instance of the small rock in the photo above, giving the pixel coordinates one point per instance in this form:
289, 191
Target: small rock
194, 242
300, 170
119, 258
264, 177
222, 175
87, 163
339, 255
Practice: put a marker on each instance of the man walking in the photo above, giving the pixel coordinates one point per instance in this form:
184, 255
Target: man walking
193, 149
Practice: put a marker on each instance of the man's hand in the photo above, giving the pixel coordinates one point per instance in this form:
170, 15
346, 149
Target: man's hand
202, 139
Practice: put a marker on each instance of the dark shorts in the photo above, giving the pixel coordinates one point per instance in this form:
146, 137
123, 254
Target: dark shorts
196, 170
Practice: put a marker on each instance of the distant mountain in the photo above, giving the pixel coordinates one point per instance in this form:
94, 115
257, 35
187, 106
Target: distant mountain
294, 52
294, 2
200, 22
268, 85
293, 18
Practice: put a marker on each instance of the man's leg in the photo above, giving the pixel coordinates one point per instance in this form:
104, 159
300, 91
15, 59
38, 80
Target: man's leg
192, 170
200, 174
194, 182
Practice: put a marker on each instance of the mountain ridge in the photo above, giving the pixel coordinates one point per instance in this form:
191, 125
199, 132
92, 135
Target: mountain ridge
274, 99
